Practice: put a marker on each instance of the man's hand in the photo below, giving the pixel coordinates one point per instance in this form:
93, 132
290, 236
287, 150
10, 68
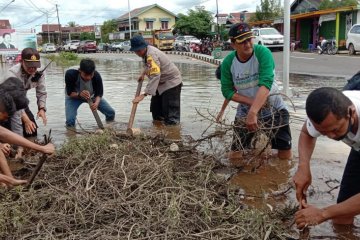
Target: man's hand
19, 153
30, 127
302, 180
309, 216
5, 148
10, 181
138, 98
141, 77
94, 106
84, 94
48, 148
219, 116
251, 122
41, 114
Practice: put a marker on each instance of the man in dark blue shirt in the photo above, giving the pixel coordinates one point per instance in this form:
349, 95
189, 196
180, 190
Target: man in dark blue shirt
81, 85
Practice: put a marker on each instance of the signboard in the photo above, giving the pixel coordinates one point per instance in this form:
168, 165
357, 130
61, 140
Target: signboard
97, 30
222, 20
12, 42
327, 17
116, 36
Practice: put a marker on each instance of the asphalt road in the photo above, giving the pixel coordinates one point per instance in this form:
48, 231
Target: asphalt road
340, 65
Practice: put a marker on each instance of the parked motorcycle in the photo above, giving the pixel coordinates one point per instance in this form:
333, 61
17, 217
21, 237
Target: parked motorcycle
328, 46
182, 47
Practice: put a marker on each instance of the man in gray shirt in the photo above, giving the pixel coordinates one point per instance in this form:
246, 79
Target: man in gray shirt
164, 82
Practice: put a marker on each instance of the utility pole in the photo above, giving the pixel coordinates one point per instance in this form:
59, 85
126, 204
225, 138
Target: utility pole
286, 51
217, 20
57, 12
47, 21
129, 18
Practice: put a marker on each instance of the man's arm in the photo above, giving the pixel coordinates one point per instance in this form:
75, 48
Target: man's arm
311, 215
70, 80
302, 177
10, 137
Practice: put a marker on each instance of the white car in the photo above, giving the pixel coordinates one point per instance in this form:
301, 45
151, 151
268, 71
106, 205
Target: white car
353, 39
72, 45
48, 47
187, 39
269, 37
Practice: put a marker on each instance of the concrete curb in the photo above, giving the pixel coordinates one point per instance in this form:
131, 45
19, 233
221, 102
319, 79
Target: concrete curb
202, 57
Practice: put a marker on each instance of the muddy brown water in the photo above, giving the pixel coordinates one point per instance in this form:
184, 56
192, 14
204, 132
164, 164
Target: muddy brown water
201, 92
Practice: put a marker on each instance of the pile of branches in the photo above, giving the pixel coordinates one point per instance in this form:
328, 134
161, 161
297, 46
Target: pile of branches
114, 187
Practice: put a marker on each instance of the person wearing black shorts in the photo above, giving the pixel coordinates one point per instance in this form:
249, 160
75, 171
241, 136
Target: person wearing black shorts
334, 114
247, 77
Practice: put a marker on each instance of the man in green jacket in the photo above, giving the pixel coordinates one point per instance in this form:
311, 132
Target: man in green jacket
247, 77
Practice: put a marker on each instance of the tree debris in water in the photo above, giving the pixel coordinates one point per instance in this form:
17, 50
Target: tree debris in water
140, 189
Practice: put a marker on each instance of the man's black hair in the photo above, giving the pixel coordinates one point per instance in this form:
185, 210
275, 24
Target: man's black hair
322, 101
6, 34
87, 66
15, 88
7, 103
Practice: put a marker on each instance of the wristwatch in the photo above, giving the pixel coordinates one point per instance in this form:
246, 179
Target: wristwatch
43, 108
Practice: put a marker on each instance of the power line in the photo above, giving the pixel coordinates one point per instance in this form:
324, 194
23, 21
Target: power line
31, 21
6, 5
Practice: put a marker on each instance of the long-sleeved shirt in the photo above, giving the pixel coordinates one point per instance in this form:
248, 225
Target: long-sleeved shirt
162, 73
73, 83
18, 72
41, 94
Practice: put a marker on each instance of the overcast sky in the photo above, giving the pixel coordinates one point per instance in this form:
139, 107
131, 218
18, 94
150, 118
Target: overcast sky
28, 14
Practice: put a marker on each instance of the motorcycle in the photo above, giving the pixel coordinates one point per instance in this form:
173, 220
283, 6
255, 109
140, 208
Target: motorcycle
328, 46
182, 47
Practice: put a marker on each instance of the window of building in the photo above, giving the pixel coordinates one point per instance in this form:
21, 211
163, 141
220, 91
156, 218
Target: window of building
164, 24
149, 24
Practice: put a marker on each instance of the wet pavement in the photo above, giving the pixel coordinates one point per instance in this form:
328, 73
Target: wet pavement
201, 92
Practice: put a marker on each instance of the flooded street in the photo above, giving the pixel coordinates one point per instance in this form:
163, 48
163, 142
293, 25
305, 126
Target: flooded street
201, 91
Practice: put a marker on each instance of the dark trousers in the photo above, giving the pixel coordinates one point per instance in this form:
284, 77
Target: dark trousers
166, 107
350, 181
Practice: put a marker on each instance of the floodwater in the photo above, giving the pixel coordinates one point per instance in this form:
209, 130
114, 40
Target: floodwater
201, 98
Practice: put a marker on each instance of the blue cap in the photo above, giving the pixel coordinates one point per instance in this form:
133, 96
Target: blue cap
137, 43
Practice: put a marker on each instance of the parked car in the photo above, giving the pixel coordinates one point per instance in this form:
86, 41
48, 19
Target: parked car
86, 46
116, 46
71, 45
269, 37
126, 45
353, 39
186, 39
48, 47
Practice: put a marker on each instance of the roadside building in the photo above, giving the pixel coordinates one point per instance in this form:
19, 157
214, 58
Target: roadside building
54, 32
5, 24
143, 21
308, 23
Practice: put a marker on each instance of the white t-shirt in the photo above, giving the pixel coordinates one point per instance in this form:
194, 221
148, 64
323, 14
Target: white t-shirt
353, 140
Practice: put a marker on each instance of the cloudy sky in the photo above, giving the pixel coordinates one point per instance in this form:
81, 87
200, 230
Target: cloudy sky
30, 14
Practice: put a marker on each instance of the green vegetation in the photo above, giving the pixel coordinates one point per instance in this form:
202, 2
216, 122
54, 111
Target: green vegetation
65, 58
109, 26
268, 10
329, 4
198, 23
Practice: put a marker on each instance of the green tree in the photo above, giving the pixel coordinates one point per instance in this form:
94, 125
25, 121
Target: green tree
329, 4
71, 24
108, 26
268, 10
87, 36
198, 23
